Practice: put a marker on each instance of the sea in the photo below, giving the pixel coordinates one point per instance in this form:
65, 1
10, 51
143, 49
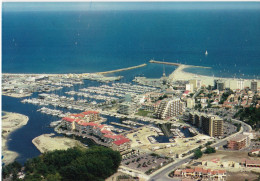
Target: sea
96, 39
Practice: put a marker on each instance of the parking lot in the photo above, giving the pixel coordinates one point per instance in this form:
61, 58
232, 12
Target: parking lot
145, 162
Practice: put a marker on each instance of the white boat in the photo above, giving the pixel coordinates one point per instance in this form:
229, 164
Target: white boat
206, 53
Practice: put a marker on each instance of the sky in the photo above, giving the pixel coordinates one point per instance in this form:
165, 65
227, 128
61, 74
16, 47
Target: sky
111, 6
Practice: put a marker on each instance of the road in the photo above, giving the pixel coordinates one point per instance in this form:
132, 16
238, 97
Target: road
163, 175
246, 127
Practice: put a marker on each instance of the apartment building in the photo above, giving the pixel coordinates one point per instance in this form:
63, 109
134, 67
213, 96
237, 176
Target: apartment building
210, 124
169, 108
238, 142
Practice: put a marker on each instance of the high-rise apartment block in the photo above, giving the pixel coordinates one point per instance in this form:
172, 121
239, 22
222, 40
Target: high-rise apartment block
254, 86
210, 124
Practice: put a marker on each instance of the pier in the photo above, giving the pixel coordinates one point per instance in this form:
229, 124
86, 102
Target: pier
123, 69
122, 125
176, 64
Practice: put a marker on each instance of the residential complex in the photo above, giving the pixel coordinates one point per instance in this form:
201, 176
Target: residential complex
169, 108
210, 124
198, 173
102, 132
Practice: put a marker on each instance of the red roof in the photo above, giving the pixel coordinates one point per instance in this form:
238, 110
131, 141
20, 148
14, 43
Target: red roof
256, 162
121, 141
105, 131
77, 120
177, 172
120, 137
89, 124
221, 171
110, 136
198, 169
90, 112
189, 170
186, 92
101, 126
68, 119
255, 150
78, 115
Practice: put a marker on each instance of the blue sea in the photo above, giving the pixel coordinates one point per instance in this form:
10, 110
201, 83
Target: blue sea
92, 37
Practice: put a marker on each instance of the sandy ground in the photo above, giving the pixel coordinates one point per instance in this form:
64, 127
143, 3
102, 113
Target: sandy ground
180, 146
180, 74
242, 176
225, 156
228, 155
142, 135
47, 142
10, 122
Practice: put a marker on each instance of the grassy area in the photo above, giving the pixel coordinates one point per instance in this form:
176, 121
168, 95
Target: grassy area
143, 112
180, 121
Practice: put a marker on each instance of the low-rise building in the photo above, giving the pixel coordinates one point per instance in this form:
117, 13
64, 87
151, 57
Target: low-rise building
101, 132
251, 163
198, 173
121, 145
238, 142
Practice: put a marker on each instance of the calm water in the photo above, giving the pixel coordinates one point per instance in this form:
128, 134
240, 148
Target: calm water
90, 41
78, 41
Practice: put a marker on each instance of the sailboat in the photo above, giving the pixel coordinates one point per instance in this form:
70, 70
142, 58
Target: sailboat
206, 53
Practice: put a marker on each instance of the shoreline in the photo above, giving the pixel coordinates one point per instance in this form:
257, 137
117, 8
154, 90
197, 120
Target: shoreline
10, 123
78, 74
179, 71
181, 74
46, 142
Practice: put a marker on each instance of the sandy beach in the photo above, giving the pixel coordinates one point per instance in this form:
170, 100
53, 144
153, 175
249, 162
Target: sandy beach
47, 142
232, 83
180, 74
10, 122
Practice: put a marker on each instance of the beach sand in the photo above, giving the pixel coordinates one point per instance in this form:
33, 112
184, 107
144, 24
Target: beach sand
10, 122
47, 142
232, 83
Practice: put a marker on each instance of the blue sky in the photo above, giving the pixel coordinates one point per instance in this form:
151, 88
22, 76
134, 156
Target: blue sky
88, 6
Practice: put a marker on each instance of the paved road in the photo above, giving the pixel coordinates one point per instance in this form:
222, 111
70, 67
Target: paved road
163, 175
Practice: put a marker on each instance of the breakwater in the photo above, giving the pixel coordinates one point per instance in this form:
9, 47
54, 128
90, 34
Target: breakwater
176, 64
123, 69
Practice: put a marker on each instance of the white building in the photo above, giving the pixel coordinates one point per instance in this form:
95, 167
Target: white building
240, 84
190, 103
189, 87
169, 108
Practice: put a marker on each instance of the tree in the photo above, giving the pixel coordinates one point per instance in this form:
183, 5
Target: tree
210, 150
95, 163
12, 168
197, 153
